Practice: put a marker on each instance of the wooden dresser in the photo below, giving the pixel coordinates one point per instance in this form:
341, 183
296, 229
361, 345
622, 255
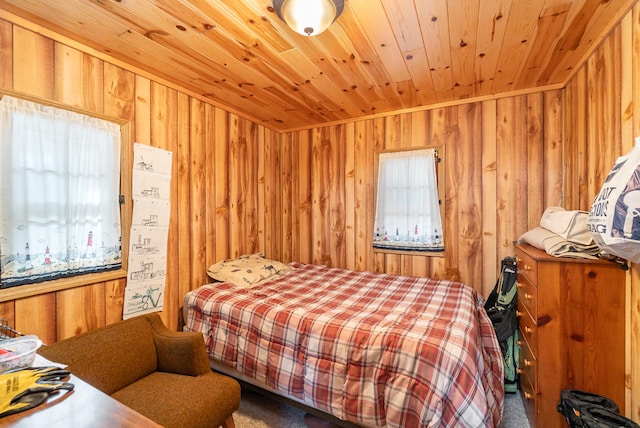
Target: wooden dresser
572, 331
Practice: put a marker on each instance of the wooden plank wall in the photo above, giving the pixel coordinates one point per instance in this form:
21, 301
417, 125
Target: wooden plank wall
503, 166
225, 186
602, 119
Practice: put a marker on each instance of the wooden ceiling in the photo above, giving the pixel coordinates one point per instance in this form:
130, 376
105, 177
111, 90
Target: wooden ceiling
379, 56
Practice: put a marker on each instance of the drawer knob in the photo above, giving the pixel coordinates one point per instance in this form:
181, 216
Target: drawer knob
527, 268
519, 342
527, 395
518, 314
519, 370
518, 285
528, 330
527, 363
528, 296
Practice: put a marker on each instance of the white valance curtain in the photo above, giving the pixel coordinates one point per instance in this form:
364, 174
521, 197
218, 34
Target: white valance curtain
407, 208
59, 193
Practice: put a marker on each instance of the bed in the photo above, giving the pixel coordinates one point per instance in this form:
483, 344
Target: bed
370, 349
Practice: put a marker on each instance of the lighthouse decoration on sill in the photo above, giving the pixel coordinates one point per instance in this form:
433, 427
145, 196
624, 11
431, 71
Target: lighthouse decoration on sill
89, 253
414, 240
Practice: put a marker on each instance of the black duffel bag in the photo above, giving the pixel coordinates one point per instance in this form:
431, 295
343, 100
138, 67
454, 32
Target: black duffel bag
587, 410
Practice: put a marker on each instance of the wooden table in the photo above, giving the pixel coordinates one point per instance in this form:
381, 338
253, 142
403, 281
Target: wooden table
83, 407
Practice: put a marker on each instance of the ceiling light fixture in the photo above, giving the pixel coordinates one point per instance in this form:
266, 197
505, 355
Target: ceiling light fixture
308, 17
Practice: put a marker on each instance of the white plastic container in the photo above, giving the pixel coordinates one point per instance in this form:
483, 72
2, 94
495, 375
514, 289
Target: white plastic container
18, 352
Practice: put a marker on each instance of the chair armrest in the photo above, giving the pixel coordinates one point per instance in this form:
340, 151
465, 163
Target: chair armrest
179, 352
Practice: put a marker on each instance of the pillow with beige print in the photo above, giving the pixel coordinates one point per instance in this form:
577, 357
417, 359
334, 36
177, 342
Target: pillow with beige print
247, 270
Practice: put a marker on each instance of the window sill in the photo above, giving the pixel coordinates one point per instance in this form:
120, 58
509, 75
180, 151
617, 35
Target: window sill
29, 290
409, 252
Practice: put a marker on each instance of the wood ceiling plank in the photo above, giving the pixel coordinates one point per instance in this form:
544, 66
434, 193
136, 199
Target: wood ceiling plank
434, 24
492, 24
521, 26
463, 29
408, 92
548, 31
373, 19
275, 105
321, 84
418, 66
346, 60
348, 28
172, 67
324, 114
341, 67
247, 21
223, 89
405, 24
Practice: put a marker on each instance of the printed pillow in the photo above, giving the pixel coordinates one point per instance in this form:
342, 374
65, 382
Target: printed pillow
247, 270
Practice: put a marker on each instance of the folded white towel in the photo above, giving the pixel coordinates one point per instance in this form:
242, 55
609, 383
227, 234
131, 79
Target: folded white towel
557, 246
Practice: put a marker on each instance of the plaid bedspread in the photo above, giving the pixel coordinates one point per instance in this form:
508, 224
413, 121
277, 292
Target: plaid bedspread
373, 349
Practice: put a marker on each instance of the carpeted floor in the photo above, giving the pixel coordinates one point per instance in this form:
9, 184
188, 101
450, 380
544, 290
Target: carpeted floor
258, 411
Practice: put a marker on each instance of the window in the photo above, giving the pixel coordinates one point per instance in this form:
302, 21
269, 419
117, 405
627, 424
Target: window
59, 193
408, 209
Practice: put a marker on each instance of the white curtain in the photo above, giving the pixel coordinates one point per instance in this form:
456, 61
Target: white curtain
407, 208
59, 190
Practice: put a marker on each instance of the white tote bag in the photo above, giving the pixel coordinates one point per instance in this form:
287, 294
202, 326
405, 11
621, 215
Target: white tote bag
614, 217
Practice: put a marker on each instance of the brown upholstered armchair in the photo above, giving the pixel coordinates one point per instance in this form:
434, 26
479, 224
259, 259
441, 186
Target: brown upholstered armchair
162, 374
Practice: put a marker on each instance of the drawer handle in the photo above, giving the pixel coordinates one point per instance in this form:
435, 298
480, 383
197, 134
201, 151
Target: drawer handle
518, 285
518, 260
528, 296
527, 268
519, 370
527, 395
527, 363
518, 314
519, 342
528, 330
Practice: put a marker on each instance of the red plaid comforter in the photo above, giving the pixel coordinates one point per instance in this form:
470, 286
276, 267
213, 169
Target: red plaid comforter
374, 349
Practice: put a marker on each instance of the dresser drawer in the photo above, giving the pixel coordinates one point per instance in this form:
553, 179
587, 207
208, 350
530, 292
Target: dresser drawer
528, 296
528, 330
528, 327
528, 364
529, 400
527, 266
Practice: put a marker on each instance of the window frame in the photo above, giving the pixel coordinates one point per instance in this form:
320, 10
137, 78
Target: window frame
440, 176
28, 290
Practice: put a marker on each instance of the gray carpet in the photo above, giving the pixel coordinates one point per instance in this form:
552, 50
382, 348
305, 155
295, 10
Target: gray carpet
258, 411
514, 415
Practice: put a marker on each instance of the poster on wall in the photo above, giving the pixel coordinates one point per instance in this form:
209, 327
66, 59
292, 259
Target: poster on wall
151, 186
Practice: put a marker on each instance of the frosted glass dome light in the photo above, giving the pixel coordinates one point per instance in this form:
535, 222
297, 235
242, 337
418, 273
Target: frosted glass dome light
308, 17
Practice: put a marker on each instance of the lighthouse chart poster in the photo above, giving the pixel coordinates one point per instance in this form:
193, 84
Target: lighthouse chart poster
151, 186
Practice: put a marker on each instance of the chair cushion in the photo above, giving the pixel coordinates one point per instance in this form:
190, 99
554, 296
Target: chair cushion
180, 401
